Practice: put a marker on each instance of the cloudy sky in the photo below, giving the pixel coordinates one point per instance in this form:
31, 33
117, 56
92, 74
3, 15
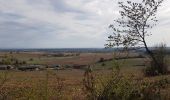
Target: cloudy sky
66, 23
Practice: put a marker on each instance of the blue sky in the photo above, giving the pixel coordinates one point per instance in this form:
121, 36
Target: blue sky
66, 23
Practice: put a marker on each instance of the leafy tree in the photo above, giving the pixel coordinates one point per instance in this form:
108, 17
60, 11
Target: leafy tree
132, 28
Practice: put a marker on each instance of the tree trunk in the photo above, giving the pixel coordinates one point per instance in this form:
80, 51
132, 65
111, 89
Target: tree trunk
152, 56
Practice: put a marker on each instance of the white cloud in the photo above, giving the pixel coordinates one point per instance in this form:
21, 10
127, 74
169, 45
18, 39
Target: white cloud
64, 23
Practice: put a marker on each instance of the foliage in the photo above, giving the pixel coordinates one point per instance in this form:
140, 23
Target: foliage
101, 60
160, 55
118, 87
10, 60
89, 84
134, 24
133, 27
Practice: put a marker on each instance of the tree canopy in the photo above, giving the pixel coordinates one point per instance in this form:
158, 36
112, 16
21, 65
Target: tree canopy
132, 28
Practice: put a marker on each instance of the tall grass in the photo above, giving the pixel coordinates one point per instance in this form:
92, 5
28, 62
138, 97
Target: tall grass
119, 87
40, 89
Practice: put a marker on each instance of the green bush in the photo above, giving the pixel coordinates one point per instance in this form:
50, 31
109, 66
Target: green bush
160, 65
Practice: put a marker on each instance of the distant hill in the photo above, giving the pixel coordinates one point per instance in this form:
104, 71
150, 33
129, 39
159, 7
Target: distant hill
74, 50
59, 50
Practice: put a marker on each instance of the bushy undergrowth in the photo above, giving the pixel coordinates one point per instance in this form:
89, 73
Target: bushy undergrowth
159, 65
118, 87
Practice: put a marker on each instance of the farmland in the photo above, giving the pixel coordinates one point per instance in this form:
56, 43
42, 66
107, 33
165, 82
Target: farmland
66, 83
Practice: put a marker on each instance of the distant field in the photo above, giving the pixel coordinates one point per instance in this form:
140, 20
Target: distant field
41, 58
134, 61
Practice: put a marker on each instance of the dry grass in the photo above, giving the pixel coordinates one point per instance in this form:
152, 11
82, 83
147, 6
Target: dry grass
72, 86
31, 84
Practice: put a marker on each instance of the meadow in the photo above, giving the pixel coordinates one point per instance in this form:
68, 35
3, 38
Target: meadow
66, 83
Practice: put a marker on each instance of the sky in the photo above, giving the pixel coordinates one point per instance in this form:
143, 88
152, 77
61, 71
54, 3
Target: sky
67, 23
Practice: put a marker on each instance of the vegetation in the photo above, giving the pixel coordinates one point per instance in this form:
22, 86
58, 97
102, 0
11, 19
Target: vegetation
10, 60
38, 90
98, 81
161, 67
134, 24
110, 81
116, 86
121, 75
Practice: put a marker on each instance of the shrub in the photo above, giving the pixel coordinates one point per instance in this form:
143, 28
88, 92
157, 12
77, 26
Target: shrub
118, 87
89, 84
101, 60
103, 64
31, 59
160, 65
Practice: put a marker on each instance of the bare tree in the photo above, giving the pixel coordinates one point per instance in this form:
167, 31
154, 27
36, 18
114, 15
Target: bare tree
132, 28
